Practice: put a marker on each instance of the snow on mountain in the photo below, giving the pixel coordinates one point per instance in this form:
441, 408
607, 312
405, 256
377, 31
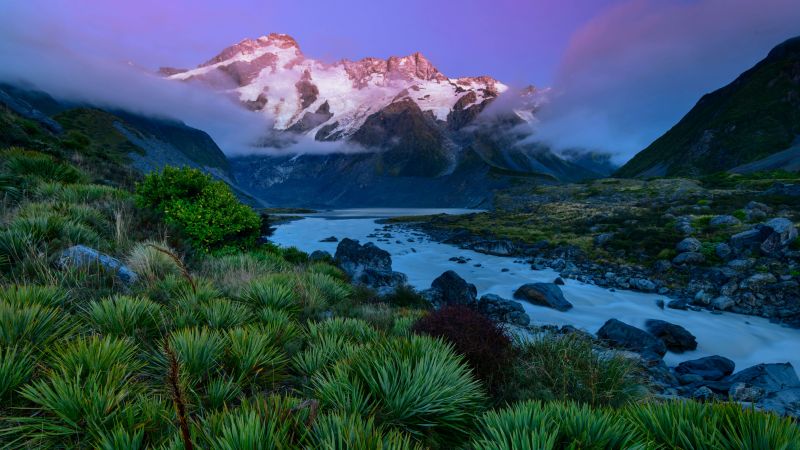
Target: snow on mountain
332, 101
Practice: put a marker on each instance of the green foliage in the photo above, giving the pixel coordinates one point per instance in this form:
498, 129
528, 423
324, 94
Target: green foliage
95, 354
197, 350
417, 385
16, 366
21, 296
566, 367
32, 324
353, 432
256, 356
272, 292
31, 164
204, 209
121, 315
150, 263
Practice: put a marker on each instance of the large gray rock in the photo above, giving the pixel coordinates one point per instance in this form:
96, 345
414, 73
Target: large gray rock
711, 368
628, 337
675, 337
778, 234
723, 221
746, 240
503, 310
689, 244
497, 248
779, 384
689, 258
450, 289
368, 265
81, 256
543, 294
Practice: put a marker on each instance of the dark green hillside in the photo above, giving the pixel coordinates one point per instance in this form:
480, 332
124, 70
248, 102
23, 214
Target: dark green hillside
755, 116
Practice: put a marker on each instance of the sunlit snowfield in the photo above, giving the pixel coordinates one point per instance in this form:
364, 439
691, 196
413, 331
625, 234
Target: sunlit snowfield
747, 340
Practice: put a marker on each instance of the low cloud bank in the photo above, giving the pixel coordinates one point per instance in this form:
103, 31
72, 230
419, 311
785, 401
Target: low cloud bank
631, 73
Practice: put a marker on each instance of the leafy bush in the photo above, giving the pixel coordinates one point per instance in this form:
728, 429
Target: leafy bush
125, 316
535, 425
206, 210
566, 367
484, 343
352, 432
417, 385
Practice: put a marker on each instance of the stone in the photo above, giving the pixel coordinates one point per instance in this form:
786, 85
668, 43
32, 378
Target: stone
723, 250
320, 255
662, 265
758, 280
330, 239
723, 303
742, 392
677, 304
723, 221
729, 288
559, 281
450, 289
642, 284
628, 337
711, 368
688, 245
779, 383
749, 239
689, 258
756, 211
602, 239
368, 265
779, 233
543, 294
740, 265
496, 248
503, 310
676, 338
81, 256
703, 393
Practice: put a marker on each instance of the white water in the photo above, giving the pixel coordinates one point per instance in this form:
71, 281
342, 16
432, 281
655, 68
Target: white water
747, 340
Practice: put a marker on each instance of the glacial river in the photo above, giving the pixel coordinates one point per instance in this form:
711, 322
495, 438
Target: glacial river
747, 340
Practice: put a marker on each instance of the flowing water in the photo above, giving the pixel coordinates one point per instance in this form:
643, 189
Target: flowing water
747, 340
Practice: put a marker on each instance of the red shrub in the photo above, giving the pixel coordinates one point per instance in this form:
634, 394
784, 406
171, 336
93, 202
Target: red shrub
484, 343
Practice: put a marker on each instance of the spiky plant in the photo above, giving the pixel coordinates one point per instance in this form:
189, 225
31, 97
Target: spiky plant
748, 429
676, 424
25, 163
96, 354
24, 295
72, 407
79, 193
418, 385
273, 422
271, 292
351, 330
333, 291
16, 366
198, 350
223, 313
325, 352
32, 325
255, 356
119, 438
353, 432
220, 392
122, 315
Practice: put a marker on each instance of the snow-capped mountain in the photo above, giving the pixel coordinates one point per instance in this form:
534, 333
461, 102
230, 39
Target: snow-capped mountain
333, 101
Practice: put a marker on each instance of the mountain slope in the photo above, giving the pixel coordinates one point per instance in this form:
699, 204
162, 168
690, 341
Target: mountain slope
755, 116
33, 118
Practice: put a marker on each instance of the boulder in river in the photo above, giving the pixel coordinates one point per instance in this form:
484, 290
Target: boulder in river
710, 368
628, 337
503, 310
543, 294
450, 289
368, 265
81, 256
675, 337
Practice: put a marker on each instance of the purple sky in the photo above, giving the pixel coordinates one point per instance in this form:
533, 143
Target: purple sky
622, 71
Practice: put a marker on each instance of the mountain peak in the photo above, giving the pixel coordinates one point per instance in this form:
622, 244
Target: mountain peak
248, 46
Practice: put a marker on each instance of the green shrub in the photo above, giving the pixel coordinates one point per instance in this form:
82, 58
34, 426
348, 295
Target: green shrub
95, 354
417, 385
272, 292
150, 263
566, 367
197, 351
16, 366
351, 330
352, 432
535, 425
206, 210
26, 295
255, 356
26, 163
224, 313
121, 315
32, 324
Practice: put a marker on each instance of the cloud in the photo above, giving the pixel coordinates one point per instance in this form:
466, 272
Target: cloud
632, 72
